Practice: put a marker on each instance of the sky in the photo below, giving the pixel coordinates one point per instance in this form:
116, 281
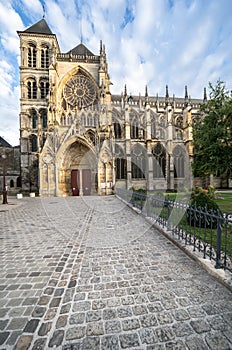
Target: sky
148, 42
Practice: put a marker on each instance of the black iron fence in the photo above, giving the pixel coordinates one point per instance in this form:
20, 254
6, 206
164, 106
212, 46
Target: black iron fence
207, 231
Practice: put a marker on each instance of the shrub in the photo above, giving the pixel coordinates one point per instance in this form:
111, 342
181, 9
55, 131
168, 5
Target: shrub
206, 211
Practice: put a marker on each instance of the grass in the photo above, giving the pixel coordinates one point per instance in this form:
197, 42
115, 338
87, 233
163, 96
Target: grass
225, 202
207, 235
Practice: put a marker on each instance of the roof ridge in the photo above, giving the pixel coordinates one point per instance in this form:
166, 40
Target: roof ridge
40, 27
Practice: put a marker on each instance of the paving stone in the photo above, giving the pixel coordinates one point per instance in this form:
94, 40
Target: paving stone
17, 323
82, 306
130, 324
200, 326
125, 311
55, 302
112, 327
80, 296
39, 344
65, 308
164, 334
3, 337
39, 311
139, 310
45, 328
75, 333
217, 323
50, 314
217, 341
61, 321
148, 320
129, 340
31, 326
177, 345
3, 324
91, 343
195, 343
98, 304
109, 314
110, 342
44, 300
93, 316
94, 328
24, 342
182, 329
56, 339
147, 336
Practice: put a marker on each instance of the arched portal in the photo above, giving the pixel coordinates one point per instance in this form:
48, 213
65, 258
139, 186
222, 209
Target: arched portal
78, 170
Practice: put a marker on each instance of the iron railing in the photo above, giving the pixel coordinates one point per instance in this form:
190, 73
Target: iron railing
208, 232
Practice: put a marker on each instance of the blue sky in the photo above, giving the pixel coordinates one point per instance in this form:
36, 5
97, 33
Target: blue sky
153, 42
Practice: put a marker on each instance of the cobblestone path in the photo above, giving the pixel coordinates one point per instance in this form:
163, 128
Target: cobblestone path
89, 273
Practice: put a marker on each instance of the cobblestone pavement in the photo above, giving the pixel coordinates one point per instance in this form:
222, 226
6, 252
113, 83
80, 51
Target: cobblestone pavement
89, 273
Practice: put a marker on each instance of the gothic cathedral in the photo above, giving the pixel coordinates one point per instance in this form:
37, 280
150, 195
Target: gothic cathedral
77, 138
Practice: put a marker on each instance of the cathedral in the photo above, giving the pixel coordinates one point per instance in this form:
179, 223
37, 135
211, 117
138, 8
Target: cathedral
77, 138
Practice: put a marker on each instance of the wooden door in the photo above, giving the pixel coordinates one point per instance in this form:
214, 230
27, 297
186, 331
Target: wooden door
75, 182
86, 182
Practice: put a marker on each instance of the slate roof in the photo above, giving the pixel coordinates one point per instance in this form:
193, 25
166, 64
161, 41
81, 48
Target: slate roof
81, 50
40, 27
4, 143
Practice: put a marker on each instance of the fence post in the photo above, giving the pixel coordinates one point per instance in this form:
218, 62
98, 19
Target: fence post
169, 213
219, 241
148, 205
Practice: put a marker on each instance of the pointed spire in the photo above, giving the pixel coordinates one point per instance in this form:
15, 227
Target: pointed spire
167, 94
146, 91
125, 91
100, 46
146, 96
205, 96
186, 92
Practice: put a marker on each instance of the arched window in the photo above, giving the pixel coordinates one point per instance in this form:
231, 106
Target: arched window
159, 161
91, 135
83, 119
95, 120
89, 120
162, 121
31, 89
33, 143
117, 131
44, 89
34, 119
134, 129
153, 127
63, 120
138, 159
19, 181
179, 135
179, 122
32, 56
120, 163
44, 57
162, 134
44, 119
11, 183
178, 160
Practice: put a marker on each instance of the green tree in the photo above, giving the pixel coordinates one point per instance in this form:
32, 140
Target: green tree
212, 134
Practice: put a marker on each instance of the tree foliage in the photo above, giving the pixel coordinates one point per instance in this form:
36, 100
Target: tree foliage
212, 134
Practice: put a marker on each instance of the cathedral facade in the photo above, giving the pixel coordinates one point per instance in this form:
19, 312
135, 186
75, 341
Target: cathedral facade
77, 138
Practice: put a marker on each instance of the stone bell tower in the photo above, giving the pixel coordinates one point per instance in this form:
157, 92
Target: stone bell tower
38, 49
